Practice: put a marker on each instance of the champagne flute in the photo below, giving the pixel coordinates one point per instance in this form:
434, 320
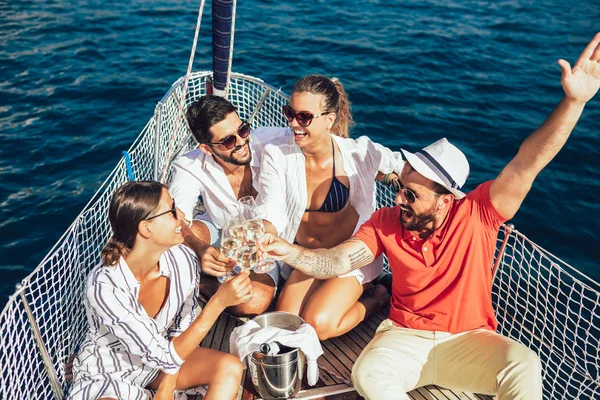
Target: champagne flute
267, 264
254, 231
247, 255
234, 220
232, 237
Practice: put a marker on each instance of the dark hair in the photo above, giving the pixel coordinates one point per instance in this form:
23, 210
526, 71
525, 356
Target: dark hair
439, 189
336, 100
130, 204
205, 112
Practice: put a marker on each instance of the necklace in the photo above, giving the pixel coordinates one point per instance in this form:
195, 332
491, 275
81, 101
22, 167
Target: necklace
308, 167
315, 155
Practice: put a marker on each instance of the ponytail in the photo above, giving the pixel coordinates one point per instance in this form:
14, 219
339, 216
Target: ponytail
344, 121
112, 252
130, 204
335, 100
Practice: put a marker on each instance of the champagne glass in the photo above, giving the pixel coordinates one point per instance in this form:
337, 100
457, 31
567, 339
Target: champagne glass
247, 255
232, 236
254, 231
234, 220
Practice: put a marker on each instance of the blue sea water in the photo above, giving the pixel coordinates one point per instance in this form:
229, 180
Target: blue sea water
80, 78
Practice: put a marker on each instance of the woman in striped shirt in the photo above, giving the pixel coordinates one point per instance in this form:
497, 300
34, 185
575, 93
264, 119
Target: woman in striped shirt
141, 303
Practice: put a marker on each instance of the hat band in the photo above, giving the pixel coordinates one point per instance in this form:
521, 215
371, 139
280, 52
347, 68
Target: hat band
437, 168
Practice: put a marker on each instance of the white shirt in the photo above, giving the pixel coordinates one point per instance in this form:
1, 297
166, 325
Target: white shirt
198, 174
125, 348
283, 185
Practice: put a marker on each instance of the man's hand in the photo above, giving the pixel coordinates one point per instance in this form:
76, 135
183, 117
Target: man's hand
214, 263
275, 247
319, 263
390, 177
580, 84
583, 81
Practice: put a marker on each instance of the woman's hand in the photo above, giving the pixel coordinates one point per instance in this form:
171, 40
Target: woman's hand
235, 291
164, 394
166, 387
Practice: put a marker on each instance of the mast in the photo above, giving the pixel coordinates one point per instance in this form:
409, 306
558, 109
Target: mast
223, 21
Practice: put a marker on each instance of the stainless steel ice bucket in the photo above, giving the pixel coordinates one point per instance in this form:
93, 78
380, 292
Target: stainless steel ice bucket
278, 376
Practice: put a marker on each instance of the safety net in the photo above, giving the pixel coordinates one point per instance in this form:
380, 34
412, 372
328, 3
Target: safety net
539, 300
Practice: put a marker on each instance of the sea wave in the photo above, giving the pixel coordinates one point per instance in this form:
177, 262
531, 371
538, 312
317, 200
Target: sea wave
79, 79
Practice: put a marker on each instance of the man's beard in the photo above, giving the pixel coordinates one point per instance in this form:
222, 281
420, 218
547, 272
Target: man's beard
418, 222
231, 158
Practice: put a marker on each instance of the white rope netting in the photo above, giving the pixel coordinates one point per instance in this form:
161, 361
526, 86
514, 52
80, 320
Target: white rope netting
540, 301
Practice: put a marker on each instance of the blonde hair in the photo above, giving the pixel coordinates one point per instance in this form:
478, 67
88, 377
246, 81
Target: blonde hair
336, 100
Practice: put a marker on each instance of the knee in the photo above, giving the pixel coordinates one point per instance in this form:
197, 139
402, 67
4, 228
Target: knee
260, 302
323, 323
263, 291
530, 364
251, 309
367, 375
359, 375
523, 367
230, 366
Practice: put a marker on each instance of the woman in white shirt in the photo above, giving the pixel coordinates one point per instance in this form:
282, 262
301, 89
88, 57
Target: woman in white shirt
142, 309
318, 191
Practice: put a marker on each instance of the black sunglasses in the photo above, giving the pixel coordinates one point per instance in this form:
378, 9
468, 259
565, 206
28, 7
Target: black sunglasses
304, 118
229, 141
173, 211
409, 195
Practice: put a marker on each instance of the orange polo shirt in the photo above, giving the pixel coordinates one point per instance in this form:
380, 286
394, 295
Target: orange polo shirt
442, 283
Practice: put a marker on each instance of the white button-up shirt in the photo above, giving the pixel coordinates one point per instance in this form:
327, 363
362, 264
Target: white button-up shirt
125, 349
198, 174
283, 185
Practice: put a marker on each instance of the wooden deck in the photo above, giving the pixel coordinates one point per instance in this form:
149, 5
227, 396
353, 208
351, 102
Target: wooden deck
335, 364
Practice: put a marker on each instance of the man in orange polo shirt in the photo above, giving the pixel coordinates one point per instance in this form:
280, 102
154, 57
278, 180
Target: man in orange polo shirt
440, 244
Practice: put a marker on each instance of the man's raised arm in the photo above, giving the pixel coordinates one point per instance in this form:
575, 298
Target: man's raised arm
320, 263
580, 84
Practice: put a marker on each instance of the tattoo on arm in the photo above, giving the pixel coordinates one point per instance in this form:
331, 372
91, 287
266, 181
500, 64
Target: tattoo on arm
360, 257
329, 263
321, 263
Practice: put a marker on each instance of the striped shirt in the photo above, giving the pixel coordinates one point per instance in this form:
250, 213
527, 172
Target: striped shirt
125, 348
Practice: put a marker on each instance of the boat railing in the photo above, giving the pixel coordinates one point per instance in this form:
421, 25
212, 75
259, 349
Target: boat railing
539, 300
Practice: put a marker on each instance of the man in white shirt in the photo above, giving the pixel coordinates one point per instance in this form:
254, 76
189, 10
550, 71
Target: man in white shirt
221, 171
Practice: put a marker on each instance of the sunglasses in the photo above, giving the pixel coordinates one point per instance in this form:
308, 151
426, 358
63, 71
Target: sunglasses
304, 118
409, 195
229, 141
173, 211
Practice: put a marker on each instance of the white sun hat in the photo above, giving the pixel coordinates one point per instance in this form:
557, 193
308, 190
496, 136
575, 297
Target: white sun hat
441, 162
